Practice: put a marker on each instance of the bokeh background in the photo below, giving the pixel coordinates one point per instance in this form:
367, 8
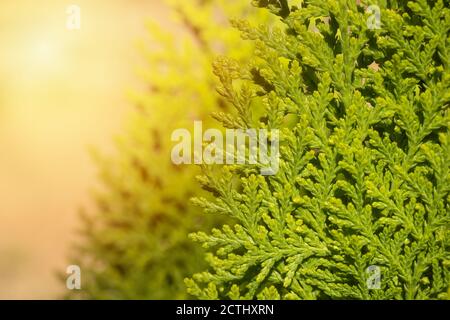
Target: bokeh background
61, 91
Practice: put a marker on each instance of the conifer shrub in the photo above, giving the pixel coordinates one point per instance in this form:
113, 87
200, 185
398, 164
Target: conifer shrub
135, 243
363, 188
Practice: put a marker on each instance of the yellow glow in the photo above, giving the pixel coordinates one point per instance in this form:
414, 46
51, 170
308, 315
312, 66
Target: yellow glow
42, 56
44, 52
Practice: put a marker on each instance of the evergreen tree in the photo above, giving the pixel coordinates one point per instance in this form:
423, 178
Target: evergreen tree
135, 244
364, 179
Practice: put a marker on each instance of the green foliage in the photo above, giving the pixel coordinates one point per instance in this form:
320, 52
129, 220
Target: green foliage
364, 175
135, 244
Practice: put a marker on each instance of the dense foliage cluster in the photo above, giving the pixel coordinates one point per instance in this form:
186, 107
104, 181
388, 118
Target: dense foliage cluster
364, 179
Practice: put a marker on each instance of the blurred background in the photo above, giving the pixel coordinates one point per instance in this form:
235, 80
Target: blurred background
61, 91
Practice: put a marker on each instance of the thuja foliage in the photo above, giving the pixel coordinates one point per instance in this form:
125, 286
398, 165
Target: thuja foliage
364, 175
135, 244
